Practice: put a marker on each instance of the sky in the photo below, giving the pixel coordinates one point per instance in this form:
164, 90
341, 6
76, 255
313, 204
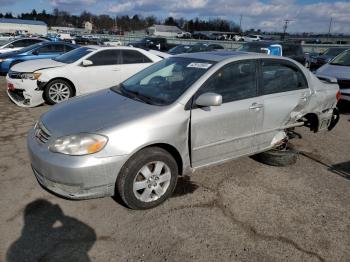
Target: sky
267, 15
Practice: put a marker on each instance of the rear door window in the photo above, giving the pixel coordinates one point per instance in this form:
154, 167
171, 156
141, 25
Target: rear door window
281, 76
134, 57
105, 57
45, 49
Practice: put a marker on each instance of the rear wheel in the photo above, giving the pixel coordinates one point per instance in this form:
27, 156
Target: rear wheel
57, 91
147, 179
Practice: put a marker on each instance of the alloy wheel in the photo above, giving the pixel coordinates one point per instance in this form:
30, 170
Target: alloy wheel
59, 92
152, 181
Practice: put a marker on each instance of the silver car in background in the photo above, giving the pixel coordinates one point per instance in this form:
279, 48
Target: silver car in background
180, 114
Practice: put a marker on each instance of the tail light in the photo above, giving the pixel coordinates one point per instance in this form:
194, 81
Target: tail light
10, 86
338, 95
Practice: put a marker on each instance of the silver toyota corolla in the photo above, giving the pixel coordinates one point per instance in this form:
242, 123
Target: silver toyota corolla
177, 115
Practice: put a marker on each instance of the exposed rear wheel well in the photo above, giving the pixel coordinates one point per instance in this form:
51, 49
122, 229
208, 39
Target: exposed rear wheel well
173, 151
311, 121
65, 79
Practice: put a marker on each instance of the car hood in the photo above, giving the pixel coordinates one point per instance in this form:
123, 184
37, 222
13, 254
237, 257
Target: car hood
94, 112
9, 54
339, 72
34, 65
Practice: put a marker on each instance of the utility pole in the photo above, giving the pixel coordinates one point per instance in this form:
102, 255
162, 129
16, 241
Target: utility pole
285, 26
240, 23
329, 29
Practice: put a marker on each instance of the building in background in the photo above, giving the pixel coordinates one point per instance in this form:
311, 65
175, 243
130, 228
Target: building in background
12, 25
88, 27
164, 30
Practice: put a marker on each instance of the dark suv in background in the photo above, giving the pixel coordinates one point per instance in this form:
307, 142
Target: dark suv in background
315, 61
289, 49
156, 43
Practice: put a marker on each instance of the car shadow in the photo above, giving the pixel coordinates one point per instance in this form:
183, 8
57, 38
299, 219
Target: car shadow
340, 169
184, 186
344, 107
49, 235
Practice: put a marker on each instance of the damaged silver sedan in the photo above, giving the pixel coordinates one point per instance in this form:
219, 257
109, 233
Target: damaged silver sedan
180, 114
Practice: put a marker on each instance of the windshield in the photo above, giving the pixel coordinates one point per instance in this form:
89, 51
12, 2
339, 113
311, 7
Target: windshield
74, 55
165, 81
253, 47
333, 51
343, 59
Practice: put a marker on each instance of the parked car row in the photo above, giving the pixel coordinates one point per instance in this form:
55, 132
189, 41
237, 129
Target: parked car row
44, 49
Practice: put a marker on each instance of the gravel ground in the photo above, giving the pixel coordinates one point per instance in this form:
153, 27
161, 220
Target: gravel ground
238, 211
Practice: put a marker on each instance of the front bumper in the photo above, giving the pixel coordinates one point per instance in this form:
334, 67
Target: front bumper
23, 92
74, 177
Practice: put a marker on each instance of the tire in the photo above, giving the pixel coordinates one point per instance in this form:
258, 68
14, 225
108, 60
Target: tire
53, 88
275, 157
138, 192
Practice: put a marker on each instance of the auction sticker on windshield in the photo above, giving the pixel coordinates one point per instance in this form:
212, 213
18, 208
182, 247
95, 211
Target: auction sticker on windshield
199, 65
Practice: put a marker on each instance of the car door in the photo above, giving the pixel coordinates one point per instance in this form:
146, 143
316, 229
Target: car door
103, 73
226, 131
284, 90
132, 61
45, 51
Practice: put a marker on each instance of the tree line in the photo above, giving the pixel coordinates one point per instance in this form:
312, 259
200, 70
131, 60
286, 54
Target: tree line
123, 23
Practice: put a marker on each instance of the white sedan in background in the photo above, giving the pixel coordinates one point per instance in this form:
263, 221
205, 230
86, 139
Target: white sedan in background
80, 71
19, 43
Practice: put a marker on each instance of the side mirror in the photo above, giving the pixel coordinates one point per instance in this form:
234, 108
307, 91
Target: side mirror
11, 46
87, 63
35, 52
209, 99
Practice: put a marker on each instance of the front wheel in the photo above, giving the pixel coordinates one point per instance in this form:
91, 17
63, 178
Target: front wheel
148, 178
57, 91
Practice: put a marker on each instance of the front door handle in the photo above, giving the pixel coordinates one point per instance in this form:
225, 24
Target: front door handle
116, 69
256, 106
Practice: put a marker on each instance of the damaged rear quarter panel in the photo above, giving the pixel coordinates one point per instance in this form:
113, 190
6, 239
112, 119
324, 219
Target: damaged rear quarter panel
321, 102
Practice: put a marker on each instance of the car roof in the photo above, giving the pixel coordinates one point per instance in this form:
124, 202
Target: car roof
28, 38
218, 56
269, 42
99, 47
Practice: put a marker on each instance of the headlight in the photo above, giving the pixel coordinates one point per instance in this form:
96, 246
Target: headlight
31, 76
79, 144
2, 60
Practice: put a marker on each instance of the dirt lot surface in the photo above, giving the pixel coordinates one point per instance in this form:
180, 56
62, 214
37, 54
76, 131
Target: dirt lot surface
238, 211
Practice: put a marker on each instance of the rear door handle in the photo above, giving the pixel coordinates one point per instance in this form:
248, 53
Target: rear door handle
116, 69
256, 106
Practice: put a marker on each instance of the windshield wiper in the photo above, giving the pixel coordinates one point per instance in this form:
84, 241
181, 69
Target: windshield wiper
133, 94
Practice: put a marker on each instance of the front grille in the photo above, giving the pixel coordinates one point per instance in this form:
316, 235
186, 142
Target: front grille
41, 133
16, 94
14, 75
344, 84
